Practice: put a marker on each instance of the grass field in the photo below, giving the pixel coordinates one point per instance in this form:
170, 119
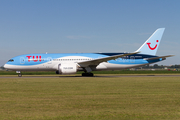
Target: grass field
121, 98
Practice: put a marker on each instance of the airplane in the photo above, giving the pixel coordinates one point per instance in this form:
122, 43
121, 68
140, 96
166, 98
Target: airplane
70, 63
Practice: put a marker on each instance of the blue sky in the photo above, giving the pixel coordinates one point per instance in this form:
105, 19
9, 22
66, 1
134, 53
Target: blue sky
80, 26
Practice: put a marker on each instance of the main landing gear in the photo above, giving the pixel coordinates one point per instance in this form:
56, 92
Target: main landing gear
88, 74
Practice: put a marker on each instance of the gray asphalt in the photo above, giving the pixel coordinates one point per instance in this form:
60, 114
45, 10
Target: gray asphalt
33, 76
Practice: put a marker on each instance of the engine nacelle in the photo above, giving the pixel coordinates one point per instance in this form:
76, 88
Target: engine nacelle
67, 68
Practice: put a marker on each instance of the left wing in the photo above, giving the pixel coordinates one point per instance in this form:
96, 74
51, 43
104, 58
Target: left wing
105, 59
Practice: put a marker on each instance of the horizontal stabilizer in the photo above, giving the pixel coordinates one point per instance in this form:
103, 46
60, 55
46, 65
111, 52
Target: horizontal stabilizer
154, 58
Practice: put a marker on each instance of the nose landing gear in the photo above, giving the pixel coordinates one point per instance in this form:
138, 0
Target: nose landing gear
19, 73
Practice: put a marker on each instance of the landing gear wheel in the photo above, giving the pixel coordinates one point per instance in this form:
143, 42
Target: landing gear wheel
88, 74
19, 75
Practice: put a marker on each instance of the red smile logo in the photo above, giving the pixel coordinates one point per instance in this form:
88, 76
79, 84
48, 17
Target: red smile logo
153, 47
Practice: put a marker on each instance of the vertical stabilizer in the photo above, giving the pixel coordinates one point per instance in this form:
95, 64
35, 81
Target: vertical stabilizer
150, 47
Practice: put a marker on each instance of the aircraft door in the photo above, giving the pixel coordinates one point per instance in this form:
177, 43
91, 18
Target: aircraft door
132, 59
22, 60
49, 59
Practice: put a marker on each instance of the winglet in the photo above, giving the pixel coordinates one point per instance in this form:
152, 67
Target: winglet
150, 47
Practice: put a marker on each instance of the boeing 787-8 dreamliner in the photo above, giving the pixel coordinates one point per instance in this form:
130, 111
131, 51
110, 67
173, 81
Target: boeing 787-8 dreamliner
70, 63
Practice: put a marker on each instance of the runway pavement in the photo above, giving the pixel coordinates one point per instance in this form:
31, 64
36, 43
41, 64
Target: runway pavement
50, 76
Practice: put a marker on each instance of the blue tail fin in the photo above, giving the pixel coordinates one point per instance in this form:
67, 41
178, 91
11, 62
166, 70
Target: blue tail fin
150, 47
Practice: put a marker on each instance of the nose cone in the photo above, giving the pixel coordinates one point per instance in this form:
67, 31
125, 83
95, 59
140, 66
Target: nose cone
5, 66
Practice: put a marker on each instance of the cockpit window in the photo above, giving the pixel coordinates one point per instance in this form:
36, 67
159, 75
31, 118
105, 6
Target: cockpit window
11, 60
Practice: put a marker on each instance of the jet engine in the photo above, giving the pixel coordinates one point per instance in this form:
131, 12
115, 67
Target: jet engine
67, 68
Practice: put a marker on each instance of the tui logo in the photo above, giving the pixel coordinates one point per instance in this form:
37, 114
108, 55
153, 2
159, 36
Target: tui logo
152, 48
38, 58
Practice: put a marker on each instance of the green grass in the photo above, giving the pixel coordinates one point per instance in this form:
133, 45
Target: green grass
82, 98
